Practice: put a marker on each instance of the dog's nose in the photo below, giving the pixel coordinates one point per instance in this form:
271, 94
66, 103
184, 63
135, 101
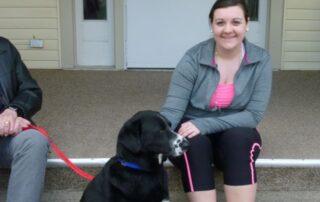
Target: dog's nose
184, 145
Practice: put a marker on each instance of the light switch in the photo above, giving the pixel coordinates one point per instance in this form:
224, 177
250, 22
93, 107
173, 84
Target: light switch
36, 43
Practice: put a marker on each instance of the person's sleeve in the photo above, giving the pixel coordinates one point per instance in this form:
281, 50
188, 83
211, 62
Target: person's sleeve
251, 115
28, 98
181, 85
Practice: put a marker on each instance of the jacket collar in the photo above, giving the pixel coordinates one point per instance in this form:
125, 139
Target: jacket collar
252, 53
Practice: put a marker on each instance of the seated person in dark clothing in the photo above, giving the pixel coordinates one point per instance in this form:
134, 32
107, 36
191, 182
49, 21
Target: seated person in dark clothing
25, 151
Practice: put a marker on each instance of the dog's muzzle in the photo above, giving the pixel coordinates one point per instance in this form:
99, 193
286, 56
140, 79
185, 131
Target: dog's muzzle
179, 145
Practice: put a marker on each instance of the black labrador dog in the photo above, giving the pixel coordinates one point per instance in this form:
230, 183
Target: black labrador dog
136, 173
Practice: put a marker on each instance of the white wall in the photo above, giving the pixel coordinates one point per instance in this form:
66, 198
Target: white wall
160, 31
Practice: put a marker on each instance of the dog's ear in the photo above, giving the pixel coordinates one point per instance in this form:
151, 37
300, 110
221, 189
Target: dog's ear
167, 120
130, 135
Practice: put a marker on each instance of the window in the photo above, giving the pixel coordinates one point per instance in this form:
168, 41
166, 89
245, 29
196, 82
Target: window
94, 9
253, 6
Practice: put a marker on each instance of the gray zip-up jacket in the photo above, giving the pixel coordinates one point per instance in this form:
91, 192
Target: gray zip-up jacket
195, 79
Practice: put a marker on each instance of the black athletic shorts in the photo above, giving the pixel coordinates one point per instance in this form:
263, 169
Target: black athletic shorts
233, 152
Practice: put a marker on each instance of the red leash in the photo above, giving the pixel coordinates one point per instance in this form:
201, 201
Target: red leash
61, 155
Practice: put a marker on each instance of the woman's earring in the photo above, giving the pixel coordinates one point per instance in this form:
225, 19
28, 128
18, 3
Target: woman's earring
247, 29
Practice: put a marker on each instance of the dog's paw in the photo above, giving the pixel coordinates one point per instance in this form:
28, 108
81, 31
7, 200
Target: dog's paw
165, 200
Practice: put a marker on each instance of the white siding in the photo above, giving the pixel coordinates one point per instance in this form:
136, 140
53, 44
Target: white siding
21, 20
301, 35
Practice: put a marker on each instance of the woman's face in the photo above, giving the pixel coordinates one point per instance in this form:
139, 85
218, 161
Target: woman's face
229, 27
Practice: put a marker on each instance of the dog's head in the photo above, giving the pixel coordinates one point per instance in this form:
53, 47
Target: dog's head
149, 133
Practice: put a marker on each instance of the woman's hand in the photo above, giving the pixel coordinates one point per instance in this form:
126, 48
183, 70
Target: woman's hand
7, 122
188, 130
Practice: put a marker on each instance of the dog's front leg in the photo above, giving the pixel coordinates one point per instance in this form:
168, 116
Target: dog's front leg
165, 187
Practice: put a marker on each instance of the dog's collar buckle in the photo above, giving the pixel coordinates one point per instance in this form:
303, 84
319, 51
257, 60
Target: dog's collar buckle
129, 164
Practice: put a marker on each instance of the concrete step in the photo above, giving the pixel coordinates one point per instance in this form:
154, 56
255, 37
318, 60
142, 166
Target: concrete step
275, 184
262, 196
270, 179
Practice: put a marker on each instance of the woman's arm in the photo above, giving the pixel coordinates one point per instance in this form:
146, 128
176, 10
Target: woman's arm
181, 85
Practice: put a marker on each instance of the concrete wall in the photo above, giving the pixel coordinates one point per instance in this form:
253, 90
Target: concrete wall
20, 21
301, 35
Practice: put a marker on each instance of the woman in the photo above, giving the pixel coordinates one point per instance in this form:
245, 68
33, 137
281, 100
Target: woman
218, 94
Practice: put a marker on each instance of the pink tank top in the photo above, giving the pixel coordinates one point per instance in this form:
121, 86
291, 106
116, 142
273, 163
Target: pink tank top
223, 96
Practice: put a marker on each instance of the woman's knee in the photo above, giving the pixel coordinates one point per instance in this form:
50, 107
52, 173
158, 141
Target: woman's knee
195, 165
201, 141
200, 148
240, 138
241, 147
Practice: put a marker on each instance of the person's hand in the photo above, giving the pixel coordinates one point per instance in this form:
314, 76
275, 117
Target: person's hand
7, 122
188, 130
20, 123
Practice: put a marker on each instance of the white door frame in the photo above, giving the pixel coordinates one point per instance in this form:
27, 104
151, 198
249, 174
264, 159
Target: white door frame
110, 15
263, 18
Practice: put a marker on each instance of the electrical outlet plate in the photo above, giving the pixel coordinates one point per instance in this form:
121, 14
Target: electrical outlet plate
36, 43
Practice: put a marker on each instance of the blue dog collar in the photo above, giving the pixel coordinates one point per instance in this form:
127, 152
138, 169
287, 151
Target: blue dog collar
129, 164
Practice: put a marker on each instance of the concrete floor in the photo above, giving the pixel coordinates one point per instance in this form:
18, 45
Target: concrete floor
84, 110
